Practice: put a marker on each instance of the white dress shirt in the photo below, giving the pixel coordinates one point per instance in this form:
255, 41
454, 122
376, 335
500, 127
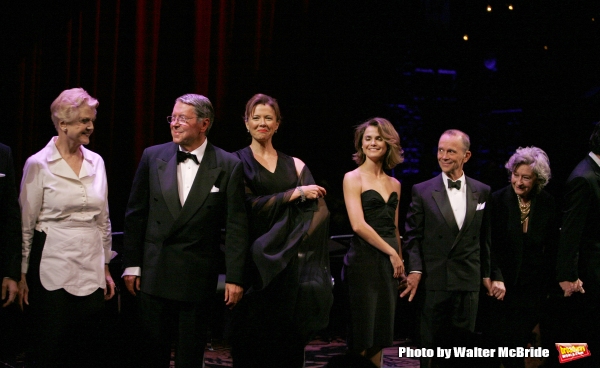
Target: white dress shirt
595, 158
186, 173
458, 199
73, 212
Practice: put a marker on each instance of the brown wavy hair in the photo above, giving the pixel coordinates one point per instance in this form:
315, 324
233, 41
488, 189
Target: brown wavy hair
394, 154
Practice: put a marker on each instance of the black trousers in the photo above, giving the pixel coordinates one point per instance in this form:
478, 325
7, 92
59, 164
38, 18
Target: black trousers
164, 321
64, 330
444, 310
447, 319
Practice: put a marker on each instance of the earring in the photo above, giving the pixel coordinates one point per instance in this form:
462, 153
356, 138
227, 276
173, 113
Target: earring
64, 130
248, 130
275, 131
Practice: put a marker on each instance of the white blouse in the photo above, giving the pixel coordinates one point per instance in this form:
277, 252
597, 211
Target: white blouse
73, 212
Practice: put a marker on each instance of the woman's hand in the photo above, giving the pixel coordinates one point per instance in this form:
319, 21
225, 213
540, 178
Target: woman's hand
23, 291
397, 264
313, 191
109, 292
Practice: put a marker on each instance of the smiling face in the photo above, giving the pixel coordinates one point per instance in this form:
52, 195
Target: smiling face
191, 134
523, 180
452, 155
263, 123
373, 144
80, 130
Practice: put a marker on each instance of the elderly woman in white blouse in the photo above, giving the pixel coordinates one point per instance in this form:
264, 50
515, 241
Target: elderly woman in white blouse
66, 239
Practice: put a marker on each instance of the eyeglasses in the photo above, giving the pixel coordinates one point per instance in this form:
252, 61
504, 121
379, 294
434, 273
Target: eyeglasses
178, 119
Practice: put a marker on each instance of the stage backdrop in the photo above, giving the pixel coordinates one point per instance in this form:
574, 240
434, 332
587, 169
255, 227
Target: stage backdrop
331, 65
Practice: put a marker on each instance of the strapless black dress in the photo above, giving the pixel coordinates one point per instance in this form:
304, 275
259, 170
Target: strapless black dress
368, 273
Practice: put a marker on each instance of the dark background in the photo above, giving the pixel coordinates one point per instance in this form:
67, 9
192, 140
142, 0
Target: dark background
330, 64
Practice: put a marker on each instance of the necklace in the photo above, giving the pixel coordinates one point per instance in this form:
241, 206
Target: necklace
524, 208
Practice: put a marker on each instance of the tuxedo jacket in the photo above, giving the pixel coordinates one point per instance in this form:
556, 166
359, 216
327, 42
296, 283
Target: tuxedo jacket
449, 259
10, 218
178, 248
519, 259
579, 247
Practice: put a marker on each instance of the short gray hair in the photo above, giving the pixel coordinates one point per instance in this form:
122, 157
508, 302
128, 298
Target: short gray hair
66, 106
202, 106
537, 159
464, 137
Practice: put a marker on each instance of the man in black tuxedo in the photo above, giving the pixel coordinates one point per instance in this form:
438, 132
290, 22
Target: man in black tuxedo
579, 250
446, 243
184, 192
10, 247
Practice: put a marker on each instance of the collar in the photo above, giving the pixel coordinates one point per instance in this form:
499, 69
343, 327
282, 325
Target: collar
595, 158
446, 178
199, 152
55, 155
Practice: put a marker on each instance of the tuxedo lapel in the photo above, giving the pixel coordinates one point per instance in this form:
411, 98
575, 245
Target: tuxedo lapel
443, 202
167, 175
472, 201
206, 177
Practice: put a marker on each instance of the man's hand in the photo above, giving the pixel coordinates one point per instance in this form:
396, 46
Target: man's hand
9, 291
412, 283
569, 287
132, 283
23, 291
233, 294
497, 290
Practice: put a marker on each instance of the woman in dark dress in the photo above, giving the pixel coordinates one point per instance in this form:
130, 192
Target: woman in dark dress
524, 239
290, 294
373, 263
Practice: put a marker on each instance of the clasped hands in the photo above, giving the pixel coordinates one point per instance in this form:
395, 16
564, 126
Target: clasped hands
494, 288
570, 287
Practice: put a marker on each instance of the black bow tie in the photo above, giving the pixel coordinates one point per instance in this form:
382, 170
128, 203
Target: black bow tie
453, 184
182, 156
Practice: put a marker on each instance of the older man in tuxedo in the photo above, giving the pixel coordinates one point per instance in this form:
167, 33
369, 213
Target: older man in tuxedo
184, 192
579, 251
446, 243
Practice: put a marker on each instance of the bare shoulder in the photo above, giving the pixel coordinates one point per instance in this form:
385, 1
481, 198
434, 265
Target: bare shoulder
353, 180
299, 165
395, 183
353, 175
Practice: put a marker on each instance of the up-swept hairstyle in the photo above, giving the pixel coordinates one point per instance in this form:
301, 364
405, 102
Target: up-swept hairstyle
260, 99
537, 159
394, 154
595, 139
202, 107
466, 141
66, 106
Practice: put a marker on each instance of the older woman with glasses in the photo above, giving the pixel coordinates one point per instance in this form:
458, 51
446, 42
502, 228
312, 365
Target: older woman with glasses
524, 240
66, 239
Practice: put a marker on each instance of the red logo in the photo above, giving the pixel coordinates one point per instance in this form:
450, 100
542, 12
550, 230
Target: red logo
568, 352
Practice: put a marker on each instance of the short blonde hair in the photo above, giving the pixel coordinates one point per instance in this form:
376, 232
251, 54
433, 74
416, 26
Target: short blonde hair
66, 106
394, 154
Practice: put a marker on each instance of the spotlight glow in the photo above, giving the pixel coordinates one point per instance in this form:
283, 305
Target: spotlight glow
489, 8
510, 7
466, 37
